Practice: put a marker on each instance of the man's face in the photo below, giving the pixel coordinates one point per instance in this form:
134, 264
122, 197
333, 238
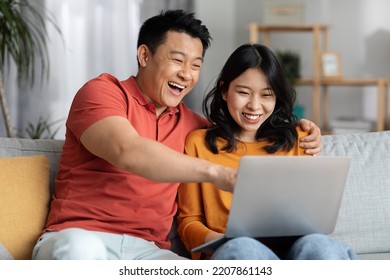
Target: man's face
172, 71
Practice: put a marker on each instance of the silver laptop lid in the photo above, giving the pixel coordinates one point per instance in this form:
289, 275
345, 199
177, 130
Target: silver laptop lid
287, 195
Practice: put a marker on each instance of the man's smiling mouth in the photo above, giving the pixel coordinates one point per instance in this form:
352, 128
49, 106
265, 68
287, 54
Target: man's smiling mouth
176, 87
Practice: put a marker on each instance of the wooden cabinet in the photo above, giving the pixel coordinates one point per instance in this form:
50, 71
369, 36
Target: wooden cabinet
319, 84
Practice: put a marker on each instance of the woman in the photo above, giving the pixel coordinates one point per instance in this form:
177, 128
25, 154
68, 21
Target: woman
251, 107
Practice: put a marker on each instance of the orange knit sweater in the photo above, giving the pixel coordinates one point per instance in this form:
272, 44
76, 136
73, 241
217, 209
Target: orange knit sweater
202, 206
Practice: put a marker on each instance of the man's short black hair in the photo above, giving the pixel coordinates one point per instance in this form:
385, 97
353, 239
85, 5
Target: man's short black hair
154, 30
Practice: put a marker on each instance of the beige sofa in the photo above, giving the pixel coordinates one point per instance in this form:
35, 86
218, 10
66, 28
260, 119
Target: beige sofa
27, 180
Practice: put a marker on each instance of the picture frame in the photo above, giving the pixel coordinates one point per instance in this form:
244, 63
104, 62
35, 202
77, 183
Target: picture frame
330, 65
283, 13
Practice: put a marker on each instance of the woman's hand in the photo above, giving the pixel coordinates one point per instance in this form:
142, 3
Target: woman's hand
212, 235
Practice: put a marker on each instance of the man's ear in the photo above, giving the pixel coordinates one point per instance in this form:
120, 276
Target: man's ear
142, 55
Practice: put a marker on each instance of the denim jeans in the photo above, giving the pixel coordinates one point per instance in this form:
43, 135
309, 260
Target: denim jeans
308, 247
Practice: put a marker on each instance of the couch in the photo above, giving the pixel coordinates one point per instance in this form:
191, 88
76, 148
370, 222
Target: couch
28, 168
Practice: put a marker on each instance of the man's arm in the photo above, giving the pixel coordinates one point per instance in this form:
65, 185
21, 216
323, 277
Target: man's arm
312, 142
115, 140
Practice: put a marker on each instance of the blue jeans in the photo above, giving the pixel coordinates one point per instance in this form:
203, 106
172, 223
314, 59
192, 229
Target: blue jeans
308, 247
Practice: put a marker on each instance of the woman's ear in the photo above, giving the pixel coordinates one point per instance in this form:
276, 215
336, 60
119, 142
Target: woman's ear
223, 92
142, 55
224, 95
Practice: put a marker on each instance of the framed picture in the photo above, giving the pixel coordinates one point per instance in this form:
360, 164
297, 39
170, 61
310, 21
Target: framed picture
283, 13
330, 65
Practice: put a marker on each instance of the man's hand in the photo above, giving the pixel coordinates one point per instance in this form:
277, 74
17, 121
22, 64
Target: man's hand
223, 177
312, 142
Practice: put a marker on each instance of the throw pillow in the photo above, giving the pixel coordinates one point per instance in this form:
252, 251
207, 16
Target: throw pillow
24, 202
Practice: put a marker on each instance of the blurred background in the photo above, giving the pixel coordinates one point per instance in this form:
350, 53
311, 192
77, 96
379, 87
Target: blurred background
100, 36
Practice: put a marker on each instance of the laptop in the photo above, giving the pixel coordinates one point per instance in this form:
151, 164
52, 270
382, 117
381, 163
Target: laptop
278, 196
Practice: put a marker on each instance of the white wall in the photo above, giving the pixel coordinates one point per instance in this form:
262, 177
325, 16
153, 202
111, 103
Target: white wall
220, 18
374, 16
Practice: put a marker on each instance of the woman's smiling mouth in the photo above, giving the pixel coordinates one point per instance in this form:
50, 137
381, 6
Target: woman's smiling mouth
251, 117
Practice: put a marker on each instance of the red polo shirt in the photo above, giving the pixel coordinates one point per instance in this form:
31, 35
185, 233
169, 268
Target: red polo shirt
93, 194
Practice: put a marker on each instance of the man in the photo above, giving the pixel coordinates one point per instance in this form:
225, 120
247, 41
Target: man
123, 154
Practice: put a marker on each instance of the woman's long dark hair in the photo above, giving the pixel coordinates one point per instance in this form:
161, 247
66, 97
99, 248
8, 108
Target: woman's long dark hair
279, 129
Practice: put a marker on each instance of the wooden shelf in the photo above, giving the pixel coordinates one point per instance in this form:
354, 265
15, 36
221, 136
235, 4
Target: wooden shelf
382, 85
288, 28
320, 34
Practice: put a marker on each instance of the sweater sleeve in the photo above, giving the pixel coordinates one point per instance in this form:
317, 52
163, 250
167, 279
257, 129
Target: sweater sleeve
191, 217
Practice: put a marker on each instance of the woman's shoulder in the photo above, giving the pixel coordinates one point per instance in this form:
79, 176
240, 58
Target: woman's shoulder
196, 135
300, 132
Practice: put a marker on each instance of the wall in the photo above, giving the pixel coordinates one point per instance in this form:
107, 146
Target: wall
220, 18
375, 27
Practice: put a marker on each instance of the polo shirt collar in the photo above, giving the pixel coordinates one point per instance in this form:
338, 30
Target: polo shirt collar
132, 87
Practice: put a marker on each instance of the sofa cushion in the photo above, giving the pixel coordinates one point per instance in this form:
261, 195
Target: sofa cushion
24, 202
52, 149
364, 216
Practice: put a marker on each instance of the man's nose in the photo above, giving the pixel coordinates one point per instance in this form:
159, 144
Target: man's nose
185, 72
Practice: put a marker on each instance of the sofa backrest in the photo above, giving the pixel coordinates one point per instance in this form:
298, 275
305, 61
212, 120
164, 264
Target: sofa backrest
364, 218
52, 149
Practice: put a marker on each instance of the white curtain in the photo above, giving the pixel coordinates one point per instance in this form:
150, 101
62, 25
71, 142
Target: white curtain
97, 36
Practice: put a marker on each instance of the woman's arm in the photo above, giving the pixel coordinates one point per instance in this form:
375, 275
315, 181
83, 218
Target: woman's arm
191, 217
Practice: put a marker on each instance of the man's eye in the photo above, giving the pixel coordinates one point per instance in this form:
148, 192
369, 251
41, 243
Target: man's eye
177, 60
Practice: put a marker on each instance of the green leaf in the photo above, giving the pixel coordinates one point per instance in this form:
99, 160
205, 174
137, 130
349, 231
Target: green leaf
23, 37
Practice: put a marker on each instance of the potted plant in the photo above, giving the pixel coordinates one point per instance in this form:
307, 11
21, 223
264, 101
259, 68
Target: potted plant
43, 129
23, 37
290, 62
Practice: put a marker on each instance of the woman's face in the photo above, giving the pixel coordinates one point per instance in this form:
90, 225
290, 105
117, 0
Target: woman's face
250, 101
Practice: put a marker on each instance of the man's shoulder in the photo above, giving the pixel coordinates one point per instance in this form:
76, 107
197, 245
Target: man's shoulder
103, 88
103, 79
193, 117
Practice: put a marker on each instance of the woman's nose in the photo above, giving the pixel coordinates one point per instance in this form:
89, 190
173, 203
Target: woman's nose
254, 103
